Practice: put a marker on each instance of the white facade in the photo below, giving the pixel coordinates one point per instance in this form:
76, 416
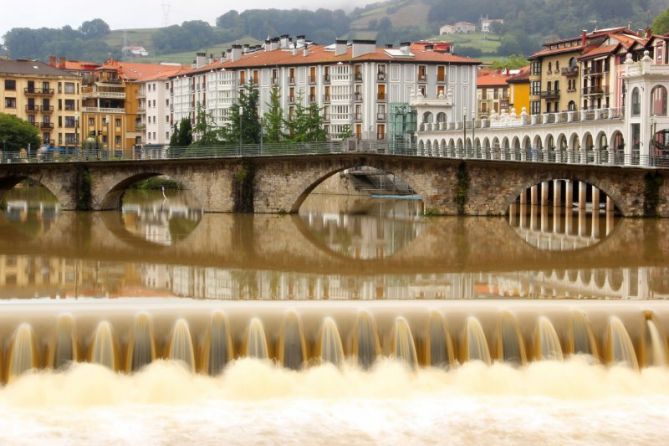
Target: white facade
155, 107
351, 94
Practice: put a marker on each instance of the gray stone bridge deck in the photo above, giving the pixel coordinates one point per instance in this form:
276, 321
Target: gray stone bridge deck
279, 184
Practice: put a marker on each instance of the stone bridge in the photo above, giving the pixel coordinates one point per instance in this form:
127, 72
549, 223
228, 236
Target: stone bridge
279, 184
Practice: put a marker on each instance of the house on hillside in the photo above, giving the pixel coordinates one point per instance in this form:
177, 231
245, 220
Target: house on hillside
135, 51
486, 24
457, 28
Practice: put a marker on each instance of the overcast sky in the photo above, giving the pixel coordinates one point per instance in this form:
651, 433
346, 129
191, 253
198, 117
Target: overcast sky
139, 13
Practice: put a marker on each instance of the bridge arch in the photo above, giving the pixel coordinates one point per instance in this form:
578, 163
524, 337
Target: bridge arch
58, 189
111, 195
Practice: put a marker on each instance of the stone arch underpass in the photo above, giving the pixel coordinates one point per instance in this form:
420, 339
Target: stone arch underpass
280, 184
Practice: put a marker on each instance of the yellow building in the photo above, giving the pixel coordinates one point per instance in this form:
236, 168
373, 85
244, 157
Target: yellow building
554, 80
45, 96
519, 91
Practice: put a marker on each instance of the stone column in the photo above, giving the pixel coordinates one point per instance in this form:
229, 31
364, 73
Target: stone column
513, 214
533, 195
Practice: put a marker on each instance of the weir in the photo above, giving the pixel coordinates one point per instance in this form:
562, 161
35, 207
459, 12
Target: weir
206, 336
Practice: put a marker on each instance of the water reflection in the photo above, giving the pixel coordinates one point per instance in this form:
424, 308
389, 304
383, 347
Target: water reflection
361, 227
372, 249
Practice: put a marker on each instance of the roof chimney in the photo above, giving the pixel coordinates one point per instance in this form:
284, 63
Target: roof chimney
405, 47
236, 52
362, 47
300, 41
200, 60
584, 37
294, 49
305, 51
284, 41
341, 46
268, 44
52, 61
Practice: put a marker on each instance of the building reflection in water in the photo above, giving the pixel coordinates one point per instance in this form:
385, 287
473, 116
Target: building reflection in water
369, 231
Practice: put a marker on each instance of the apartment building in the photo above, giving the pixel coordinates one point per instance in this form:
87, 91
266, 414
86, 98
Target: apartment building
586, 72
492, 93
45, 96
519, 91
154, 107
114, 101
355, 84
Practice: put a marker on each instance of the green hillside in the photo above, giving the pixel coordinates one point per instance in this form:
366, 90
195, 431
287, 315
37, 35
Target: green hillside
401, 13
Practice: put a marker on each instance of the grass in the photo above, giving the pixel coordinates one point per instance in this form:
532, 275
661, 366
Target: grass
487, 43
402, 13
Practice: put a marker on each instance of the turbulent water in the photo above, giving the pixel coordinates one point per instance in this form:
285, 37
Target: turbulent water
254, 402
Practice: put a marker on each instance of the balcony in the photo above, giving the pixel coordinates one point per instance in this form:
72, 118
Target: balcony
38, 91
102, 92
381, 77
291, 80
312, 79
596, 90
358, 117
33, 108
358, 77
326, 78
102, 110
357, 96
550, 94
422, 77
380, 116
326, 98
43, 125
570, 71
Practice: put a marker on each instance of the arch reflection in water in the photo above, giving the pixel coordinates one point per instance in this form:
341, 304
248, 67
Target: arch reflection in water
157, 218
360, 227
561, 215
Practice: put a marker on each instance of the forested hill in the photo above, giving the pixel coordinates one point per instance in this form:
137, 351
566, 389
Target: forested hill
528, 23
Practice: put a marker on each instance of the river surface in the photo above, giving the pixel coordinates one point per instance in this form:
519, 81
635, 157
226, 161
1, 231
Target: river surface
348, 249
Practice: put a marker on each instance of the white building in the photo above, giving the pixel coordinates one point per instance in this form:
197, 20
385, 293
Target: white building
486, 24
353, 83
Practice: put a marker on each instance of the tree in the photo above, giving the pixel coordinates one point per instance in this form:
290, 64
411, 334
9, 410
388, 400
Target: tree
512, 62
305, 124
94, 28
205, 128
273, 119
17, 134
244, 122
661, 23
183, 137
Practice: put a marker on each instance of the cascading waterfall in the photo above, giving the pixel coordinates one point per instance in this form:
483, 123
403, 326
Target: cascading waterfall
510, 346
256, 342
292, 348
475, 344
181, 344
103, 350
366, 340
546, 341
208, 343
581, 338
220, 344
620, 347
404, 346
65, 349
439, 348
22, 356
656, 355
141, 350
331, 347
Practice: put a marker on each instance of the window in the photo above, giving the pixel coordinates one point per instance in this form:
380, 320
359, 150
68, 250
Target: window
536, 88
69, 87
10, 102
10, 85
636, 102
91, 122
557, 66
535, 107
381, 92
659, 101
380, 131
536, 68
550, 67
422, 73
69, 104
70, 122
117, 140
118, 122
441, 74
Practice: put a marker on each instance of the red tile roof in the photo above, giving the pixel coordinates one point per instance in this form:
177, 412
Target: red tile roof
139, 72
318, 54
491, 79
523, 76
599, 51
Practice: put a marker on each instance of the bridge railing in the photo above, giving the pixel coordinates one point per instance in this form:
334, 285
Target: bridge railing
423, 149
